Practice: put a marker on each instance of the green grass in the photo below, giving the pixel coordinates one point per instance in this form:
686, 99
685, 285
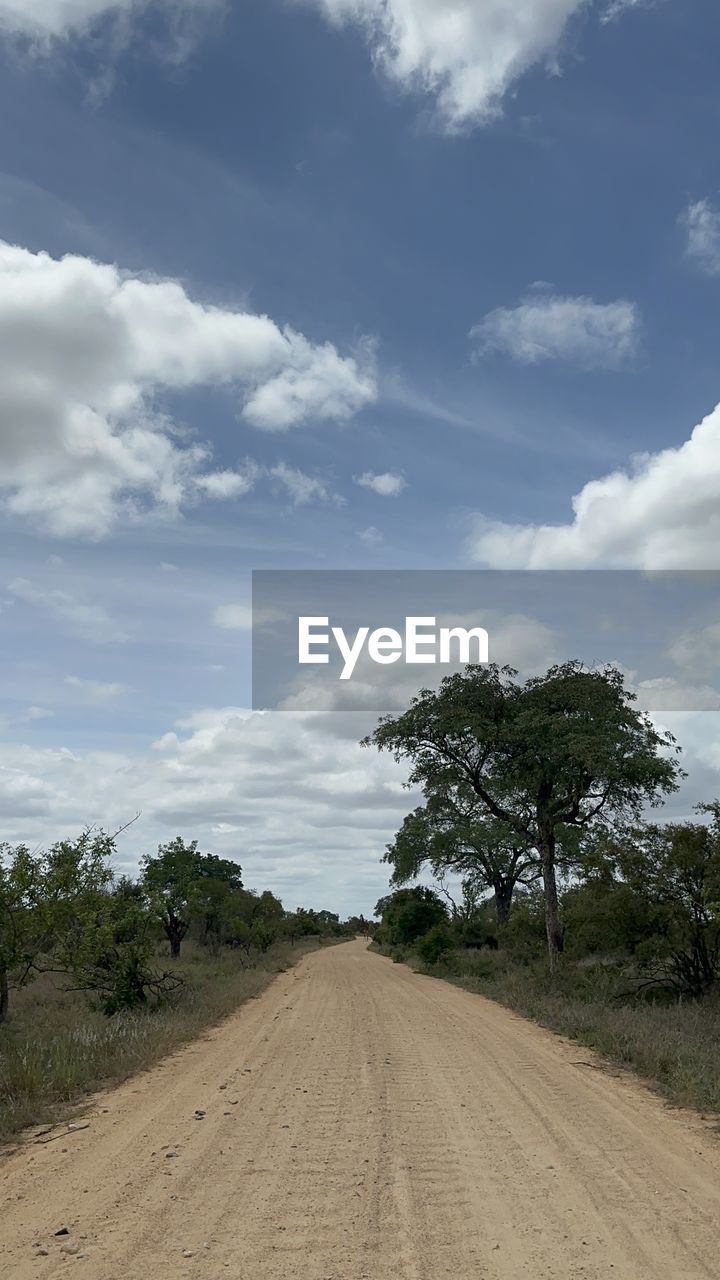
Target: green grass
54, 1049
674, 1045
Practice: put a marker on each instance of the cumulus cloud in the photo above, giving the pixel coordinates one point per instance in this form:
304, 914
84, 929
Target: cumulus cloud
229, 484
86, 349
467, 55
550, 327
702, 226
663, 513
388, 485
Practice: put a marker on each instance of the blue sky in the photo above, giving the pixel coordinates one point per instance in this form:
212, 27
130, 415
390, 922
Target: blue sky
497, 248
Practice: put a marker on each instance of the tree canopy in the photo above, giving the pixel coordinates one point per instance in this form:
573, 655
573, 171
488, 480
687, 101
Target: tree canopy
543, 758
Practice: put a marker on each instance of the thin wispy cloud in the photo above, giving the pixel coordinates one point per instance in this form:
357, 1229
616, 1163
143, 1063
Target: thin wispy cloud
78, 616
97, 692
302, 488
701, 221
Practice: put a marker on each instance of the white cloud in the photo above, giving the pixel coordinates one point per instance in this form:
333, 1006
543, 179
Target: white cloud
233, 617
303, 488
370, 536
95, 691
37, 713
313, 382
240, 617
550, 327
388, 485
229, 484
85, 349
467, 54
667, 695
702, 224
664, 513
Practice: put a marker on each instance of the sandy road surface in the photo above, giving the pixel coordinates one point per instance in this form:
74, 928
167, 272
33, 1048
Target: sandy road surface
363, 1121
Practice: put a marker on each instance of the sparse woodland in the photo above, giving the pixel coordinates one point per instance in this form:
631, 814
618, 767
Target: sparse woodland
573, 906
101, 974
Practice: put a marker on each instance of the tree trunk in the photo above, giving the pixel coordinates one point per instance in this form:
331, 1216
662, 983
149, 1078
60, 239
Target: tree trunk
503, 900
175, 930
553, 928
4, 994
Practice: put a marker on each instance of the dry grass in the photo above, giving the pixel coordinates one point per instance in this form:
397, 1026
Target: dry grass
54, 1049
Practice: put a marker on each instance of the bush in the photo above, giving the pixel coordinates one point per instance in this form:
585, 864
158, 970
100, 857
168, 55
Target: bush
434, 945
409, 913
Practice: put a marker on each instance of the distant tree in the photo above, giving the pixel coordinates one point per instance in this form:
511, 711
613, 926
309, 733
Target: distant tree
109, 951
542, 758
409, 913
182, 883
357, 925
170, 879
453, 834
675, 871
20, 937
604, 915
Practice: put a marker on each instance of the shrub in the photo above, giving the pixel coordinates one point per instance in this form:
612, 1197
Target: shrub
434, 945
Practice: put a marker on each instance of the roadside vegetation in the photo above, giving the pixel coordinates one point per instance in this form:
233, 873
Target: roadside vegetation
554, 892
101, 975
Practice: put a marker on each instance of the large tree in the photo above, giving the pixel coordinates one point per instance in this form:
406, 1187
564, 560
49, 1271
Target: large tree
453, 834
544, 758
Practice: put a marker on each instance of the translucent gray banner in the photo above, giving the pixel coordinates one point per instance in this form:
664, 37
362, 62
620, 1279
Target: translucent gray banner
325, 640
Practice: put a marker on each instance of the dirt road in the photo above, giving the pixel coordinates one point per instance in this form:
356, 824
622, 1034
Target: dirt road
362, 1121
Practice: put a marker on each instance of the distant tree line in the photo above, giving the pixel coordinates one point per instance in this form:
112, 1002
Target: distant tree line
65, 910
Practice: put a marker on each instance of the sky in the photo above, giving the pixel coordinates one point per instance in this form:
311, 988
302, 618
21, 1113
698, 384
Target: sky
331, 284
